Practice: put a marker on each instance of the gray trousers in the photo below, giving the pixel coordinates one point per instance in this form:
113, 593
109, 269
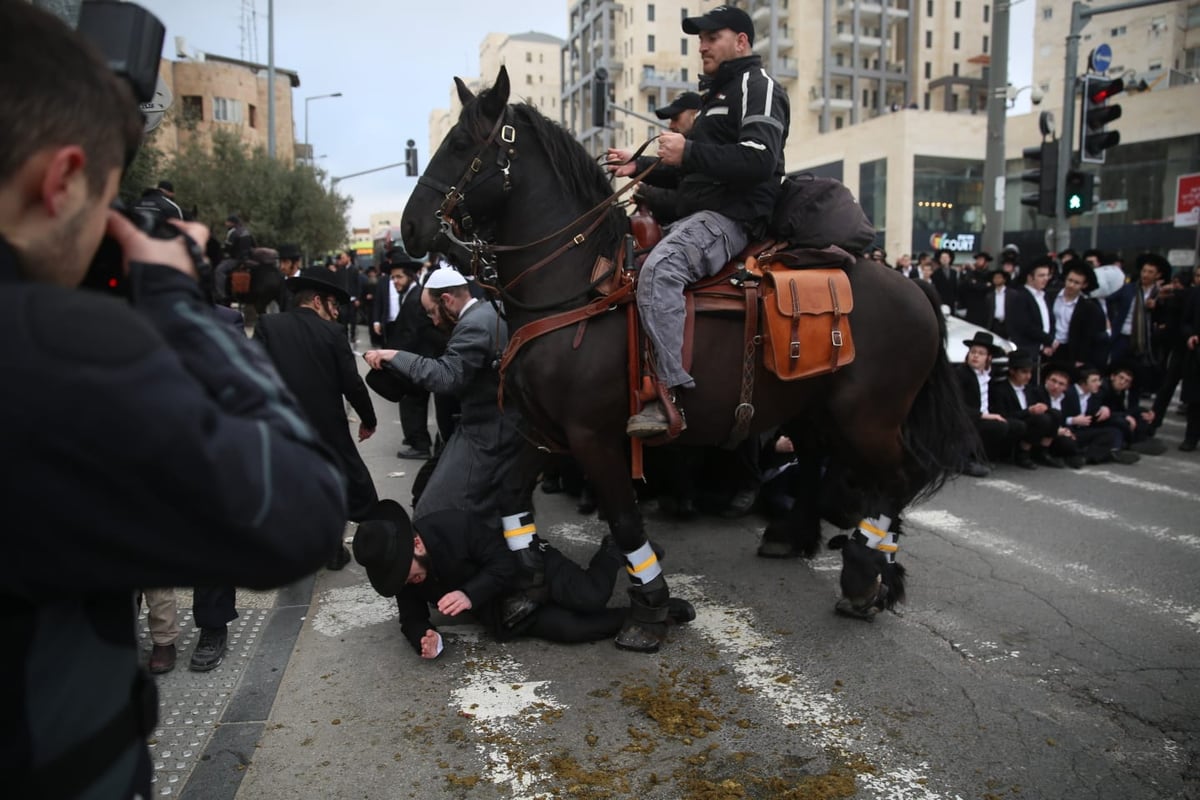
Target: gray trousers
695, 247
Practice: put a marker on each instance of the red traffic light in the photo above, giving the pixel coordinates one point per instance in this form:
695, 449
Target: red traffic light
1105, 89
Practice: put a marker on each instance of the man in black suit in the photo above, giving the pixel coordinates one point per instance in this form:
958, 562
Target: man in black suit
313, 357
1014, 399
945, 279
974, 284
1028, 316
413, 331
1135, 423
1082, 438
1080, 327
998, 434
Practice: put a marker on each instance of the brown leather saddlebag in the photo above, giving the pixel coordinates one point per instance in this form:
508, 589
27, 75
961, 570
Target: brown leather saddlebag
239, 281
806, 329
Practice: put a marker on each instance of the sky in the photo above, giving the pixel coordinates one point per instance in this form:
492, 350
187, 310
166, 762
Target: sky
394, 62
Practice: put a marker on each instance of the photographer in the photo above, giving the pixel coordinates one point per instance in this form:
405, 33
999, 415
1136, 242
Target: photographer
146, 444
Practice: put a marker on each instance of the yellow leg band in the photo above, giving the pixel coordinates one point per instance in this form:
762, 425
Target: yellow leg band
523, 530
649, 562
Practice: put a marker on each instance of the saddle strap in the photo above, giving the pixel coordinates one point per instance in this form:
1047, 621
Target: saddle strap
636, 463
743, 415
835, 333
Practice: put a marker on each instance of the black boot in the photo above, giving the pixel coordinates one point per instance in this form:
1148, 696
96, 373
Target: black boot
531, 586
649, 611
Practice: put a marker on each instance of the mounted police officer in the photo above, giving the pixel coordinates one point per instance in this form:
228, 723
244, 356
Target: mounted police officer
160, 201
727, 172
239, 243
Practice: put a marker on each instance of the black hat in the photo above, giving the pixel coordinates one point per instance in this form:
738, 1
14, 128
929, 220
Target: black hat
289, 252
321, 281
1060, 366
1007, 276
1020, 359
234, 218
984, 339
401, 259
986, 256
720, 18
1158, 262
166, 186
383, 544
685, 101
1091, 283
390, 384
945, 250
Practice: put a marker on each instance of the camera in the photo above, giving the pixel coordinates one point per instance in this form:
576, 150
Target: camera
130, 38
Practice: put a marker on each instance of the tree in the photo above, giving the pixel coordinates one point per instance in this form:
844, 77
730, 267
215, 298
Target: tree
279, 202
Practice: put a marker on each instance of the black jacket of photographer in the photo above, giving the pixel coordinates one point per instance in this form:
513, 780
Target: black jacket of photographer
146, 446
733, 157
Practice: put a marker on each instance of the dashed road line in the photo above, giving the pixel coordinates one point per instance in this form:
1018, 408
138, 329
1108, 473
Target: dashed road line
1145, 486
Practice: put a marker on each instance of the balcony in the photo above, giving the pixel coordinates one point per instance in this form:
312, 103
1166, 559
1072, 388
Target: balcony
784, 69
868, 10
832, 103
652, 81
846, 40
783, 44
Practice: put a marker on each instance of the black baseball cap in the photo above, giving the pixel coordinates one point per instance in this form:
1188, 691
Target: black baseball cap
719, 18
685, 101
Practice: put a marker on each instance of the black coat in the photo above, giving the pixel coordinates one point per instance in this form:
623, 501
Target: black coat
974, 289
969, 386
945, 280
414, 331
467, 554
1189, 325
1024, 321
315, 361
1087, 336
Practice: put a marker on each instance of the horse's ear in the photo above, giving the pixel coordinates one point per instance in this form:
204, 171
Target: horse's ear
465, 95
497, 96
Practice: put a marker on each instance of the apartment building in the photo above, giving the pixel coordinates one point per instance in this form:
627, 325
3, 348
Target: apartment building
533, 63
214, 92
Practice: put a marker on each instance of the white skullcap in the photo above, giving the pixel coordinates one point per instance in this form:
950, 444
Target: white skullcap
445, 278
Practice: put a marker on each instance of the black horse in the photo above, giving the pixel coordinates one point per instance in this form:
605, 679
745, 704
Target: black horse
890, 425
266, 282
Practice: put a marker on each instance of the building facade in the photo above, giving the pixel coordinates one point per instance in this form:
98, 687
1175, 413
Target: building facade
213, 92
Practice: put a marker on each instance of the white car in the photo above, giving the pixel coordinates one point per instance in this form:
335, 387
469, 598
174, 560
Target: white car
958, 330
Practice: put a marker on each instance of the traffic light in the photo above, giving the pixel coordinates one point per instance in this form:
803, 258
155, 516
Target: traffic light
600, 98
1081, 188
1043, 161
1095, 113
410, 159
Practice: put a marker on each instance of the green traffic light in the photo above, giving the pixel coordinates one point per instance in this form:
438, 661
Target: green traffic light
1075, 203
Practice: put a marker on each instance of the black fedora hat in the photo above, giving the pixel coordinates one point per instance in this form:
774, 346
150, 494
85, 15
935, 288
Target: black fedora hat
319, 280
383, 544
984, 339
1091, 282
1158, 262
389, 384
1062, 367
1020, 359
398, 259
685, 101
289, 252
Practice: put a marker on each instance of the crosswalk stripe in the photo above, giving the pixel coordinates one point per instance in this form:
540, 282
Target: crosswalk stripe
759, 662
1079, 576
1146, 486
1157, 533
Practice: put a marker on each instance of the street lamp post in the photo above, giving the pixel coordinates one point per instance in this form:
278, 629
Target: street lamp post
306, 102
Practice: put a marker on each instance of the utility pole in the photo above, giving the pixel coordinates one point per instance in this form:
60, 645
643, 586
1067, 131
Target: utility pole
271, 78
1081, 15
994, 162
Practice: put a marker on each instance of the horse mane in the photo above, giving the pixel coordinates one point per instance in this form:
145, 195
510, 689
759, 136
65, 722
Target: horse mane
574, 169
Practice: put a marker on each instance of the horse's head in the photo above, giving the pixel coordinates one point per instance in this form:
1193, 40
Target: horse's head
466, 180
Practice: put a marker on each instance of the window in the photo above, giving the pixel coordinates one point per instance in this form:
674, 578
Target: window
252, 111
541, 58
193, 108
928, 39
986, 41
227, 110
682, 14
683, 75
928, 70
957, 37
1119, 31
838, 60
958, 9
650, 12
929, 8
1193, 16
528, 58
865, 103
650, 43
927, 101
954, 68
987, 13
529, 80
651, 105
838, 122
1154, 66
683, 47
1048, 12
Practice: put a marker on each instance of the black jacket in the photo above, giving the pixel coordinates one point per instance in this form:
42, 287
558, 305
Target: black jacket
468, 554
158, 204
238, 243
315, 361
1087, 335
413, 330
181, 454
1024, 320
733, 157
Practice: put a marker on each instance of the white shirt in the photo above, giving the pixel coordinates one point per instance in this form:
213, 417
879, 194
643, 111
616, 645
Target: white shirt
394, 301
1020, 390
1056, 402
985, 378
1064, 309
1040, 298
998, 311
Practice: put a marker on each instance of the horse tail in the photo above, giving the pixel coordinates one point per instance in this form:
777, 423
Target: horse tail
939, 437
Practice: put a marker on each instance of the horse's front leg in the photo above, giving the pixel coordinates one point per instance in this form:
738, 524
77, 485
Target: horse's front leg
515, 502
651, 607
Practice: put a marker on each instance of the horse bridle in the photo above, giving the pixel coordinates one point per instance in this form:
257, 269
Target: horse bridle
455, 197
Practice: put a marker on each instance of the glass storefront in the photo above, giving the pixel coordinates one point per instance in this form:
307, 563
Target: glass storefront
947, 205
872, 194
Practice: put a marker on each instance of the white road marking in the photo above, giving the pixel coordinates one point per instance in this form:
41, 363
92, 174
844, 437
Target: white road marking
1079, 576
495, 694
1146, 486
351, 607
1158, 533
759, 663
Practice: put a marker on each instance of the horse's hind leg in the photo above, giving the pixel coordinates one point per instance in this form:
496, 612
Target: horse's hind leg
798, 533
515, 503
651, 606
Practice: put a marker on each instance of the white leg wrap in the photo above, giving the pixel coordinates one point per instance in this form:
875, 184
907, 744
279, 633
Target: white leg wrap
877, 536
519, 530
643, 564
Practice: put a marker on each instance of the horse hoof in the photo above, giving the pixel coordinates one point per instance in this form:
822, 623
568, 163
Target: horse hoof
848, 609
680, 611
772, 549
638, 638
